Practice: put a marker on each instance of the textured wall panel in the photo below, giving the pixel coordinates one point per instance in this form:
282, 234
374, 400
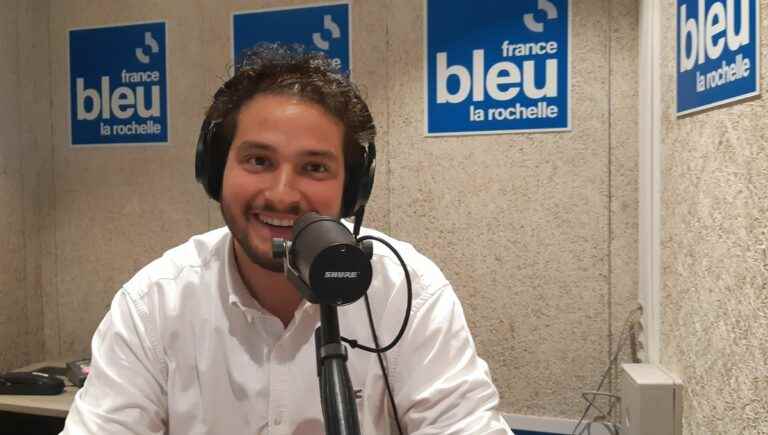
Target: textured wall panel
519, 223
119, 207
35, 139
13, 321
624, 54
24, 134
714, 254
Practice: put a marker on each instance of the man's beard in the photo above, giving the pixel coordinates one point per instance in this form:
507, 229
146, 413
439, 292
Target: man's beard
240, 233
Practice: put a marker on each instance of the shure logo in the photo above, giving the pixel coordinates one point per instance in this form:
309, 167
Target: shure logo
342, 274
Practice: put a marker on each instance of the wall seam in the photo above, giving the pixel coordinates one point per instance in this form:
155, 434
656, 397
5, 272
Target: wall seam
388, 115
611, 364
52, 185
22, 198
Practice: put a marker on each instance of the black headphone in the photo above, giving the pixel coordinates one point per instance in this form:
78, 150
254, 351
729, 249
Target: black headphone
211, 157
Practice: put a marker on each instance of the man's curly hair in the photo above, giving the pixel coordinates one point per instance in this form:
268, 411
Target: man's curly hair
273, 68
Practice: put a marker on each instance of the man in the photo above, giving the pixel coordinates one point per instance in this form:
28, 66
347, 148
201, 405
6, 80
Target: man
211, 338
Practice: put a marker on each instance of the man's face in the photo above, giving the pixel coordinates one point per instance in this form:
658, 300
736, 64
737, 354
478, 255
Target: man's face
285, 160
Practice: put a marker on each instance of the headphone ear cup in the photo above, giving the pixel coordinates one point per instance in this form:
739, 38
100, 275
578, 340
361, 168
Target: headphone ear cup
206, 167
360, 183
201, 170
349, 197
366, 184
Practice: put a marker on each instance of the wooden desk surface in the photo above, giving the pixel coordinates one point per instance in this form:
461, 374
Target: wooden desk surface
53, 406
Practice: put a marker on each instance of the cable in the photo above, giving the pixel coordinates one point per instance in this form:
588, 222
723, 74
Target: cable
353, 343
614, 359
378, 350
381, 365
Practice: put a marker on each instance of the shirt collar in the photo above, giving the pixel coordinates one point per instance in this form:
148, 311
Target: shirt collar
239, 295
238, 292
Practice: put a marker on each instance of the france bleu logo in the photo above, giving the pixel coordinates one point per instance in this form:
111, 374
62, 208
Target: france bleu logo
322, 28
495, 67
717, 52
118, 84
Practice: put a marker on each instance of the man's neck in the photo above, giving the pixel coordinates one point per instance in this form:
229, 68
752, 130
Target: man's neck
270, 289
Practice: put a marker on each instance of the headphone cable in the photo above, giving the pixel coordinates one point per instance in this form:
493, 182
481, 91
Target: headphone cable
395, 412
378, 350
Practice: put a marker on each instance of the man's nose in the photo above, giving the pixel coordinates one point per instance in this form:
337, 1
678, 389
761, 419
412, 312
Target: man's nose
283, 194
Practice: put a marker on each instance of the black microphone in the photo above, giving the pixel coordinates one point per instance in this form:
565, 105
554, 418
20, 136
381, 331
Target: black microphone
324, 261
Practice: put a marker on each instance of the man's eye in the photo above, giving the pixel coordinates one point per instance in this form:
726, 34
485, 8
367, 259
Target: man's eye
316, 167
258, 161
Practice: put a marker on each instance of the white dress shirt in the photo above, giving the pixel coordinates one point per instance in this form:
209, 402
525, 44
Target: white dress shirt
185, 349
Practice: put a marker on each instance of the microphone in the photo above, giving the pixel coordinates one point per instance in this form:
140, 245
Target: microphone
324, 261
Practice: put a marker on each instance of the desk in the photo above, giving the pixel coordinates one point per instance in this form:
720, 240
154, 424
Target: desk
22, 414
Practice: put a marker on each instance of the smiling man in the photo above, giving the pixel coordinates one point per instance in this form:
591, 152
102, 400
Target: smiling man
211, 338
286, 159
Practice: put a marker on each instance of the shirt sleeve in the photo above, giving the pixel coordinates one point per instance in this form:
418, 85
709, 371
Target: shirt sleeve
442, 387
124, 392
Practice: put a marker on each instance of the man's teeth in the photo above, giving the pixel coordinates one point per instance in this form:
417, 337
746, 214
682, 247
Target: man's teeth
277, 222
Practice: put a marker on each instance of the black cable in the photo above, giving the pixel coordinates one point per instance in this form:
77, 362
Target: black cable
381, 365
358, 221
378, 350
353, 343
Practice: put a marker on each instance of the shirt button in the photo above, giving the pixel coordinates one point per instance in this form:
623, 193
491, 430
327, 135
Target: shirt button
277, 421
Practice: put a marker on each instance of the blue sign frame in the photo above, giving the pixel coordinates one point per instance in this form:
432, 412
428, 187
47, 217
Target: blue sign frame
497, 67
328, 29
717, 60
118, 84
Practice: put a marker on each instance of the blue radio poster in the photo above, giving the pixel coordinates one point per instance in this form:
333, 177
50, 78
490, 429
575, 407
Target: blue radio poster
118, 85
497, 67
324, 28
718, 53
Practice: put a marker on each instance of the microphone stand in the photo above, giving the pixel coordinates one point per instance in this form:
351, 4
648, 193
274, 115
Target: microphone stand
336, 394
329, 244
